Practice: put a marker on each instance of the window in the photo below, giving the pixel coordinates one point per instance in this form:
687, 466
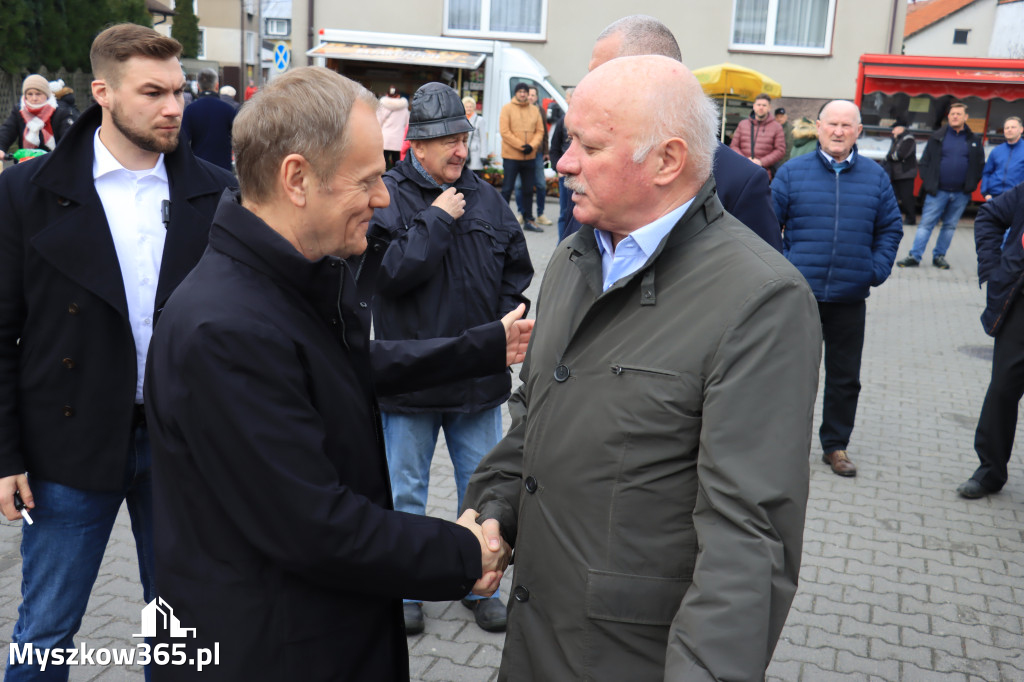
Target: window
512, 19
795, 26
201, 54
250, 47
960, 36
250, 6
278, 27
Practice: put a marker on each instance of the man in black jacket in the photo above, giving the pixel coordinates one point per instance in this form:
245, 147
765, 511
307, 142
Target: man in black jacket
950, 170
276, 537
206, 123
94, 238
457, 259
1002, 266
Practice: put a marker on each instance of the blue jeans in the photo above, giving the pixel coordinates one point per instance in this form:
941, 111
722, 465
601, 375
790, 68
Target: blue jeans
947, 206
410, 440
540, 186
61, 555
564, 207
513, 169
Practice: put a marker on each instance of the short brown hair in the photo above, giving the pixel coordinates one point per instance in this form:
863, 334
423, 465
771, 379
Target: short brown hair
303, 112
765, 96
116, 45
957, 105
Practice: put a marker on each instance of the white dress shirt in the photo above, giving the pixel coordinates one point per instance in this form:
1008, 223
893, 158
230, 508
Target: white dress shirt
132, 201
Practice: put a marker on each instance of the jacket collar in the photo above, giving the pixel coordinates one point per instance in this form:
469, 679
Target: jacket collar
827, 164
404, 170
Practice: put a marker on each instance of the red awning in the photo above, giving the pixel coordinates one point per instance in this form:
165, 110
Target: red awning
937, 80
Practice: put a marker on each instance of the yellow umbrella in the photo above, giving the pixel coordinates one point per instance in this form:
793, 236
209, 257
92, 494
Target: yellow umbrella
732, 80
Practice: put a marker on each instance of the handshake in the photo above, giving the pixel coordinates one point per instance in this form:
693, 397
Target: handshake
495, 552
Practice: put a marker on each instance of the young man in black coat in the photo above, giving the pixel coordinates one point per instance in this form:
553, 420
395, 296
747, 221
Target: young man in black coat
276, 535
94, 238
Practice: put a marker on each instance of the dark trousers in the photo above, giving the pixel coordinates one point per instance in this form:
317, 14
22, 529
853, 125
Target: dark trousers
842, 329
993, 439
904, 191
528, 170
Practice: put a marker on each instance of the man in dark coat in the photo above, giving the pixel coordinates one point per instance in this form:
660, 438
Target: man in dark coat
94, 238
1003, 268
901, 166
842, 231
276, 537
950, 168
741, 184
207, 122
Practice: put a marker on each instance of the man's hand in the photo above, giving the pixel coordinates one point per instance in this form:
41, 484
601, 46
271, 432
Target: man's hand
527, 148
8, 485
451, 202
495, 552
517, 335
757, 162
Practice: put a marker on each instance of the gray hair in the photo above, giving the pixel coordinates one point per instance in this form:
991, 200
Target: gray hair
821, 113
643, 35
207, 79
303, 112
686, 113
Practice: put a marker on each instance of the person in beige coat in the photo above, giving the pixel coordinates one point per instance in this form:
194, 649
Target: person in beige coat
654, 480
522, 131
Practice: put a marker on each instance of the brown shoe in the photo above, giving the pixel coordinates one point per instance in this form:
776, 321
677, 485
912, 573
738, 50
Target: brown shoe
840, 463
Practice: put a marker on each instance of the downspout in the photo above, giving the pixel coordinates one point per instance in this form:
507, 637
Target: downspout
309, 26
892, 25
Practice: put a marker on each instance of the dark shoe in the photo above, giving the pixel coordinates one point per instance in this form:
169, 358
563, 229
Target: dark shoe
840, 463
531, 226
491, 615
908, 262
972, 490
940, 262
413, 613
910, 221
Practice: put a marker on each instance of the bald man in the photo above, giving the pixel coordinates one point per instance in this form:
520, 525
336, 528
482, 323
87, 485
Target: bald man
655, 500
742, 186
842, 228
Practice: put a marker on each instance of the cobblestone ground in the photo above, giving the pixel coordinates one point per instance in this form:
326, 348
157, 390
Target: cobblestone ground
901, 579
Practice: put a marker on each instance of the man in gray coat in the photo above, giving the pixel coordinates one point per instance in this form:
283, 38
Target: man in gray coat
654, 480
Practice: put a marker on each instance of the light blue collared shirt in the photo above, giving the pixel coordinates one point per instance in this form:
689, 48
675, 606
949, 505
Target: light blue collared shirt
636, 248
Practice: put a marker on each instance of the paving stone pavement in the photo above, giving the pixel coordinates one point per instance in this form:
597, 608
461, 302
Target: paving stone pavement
901, 579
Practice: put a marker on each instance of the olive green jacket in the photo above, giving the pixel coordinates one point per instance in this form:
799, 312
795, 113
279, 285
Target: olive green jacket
654, 480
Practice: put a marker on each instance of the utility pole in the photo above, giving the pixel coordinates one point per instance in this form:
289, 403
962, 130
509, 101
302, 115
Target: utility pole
242, 82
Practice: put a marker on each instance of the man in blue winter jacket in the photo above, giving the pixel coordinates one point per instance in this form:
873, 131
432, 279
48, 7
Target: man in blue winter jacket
841, 229
1004, 169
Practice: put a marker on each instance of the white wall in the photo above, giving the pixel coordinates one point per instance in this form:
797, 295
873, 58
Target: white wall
1008, 32
937, 39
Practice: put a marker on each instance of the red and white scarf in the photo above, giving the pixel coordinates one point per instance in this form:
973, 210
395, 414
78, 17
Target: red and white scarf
37, 122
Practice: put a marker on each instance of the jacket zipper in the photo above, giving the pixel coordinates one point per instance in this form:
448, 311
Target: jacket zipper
619, 369
835, 239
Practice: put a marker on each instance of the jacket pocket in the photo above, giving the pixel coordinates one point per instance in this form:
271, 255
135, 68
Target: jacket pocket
638, 599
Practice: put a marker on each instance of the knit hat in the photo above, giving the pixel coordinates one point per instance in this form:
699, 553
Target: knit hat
436, 111
228, 90
36, 82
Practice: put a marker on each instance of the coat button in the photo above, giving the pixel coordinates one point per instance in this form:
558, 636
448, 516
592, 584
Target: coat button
73, 308
334, 321
531, 484
69, 411
521, 594
561, 373
69, 363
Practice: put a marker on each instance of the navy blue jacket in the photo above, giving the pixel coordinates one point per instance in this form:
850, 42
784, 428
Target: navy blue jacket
742, 188
931, 159
206, 123
840, 230
1001, 266
441, 276
1004, 169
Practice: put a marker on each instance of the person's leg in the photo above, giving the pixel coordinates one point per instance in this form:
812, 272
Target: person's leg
526, 171
950, 217
139, 500
540, 184
61, 555
930, 214
993, 438
842, 327
564, 207
519, 194
904, 190
508, 182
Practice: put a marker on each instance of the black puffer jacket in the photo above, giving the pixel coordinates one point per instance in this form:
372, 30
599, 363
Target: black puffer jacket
932, 156
13, 129
441, 276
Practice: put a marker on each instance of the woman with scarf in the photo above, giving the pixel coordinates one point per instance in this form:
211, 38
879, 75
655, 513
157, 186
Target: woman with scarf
38, 123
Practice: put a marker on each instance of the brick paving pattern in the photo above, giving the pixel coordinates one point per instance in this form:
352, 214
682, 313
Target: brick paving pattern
901, 579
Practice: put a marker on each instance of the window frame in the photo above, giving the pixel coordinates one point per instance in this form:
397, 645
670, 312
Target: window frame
285, 22
485, 17
771, 22
201, 52
965, 32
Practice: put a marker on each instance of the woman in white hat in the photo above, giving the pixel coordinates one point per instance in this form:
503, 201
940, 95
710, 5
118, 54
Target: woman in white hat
38, 123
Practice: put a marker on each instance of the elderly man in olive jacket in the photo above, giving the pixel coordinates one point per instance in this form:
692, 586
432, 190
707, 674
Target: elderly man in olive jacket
654, 498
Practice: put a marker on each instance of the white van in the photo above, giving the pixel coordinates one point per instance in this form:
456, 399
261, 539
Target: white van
487, 70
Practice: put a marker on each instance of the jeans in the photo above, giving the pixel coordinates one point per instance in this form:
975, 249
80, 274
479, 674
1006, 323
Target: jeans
62, 552
564, 207
540, 186
842, 329
513, 169
410, 439
947, 206
993, 438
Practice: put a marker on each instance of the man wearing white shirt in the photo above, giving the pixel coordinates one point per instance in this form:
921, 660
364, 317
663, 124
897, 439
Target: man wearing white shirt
95, 238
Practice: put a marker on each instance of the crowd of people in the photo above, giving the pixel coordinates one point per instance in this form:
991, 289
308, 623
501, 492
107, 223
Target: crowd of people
186, 302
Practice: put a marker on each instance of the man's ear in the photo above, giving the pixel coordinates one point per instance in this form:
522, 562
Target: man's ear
673, 156
294, 177
101, 92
